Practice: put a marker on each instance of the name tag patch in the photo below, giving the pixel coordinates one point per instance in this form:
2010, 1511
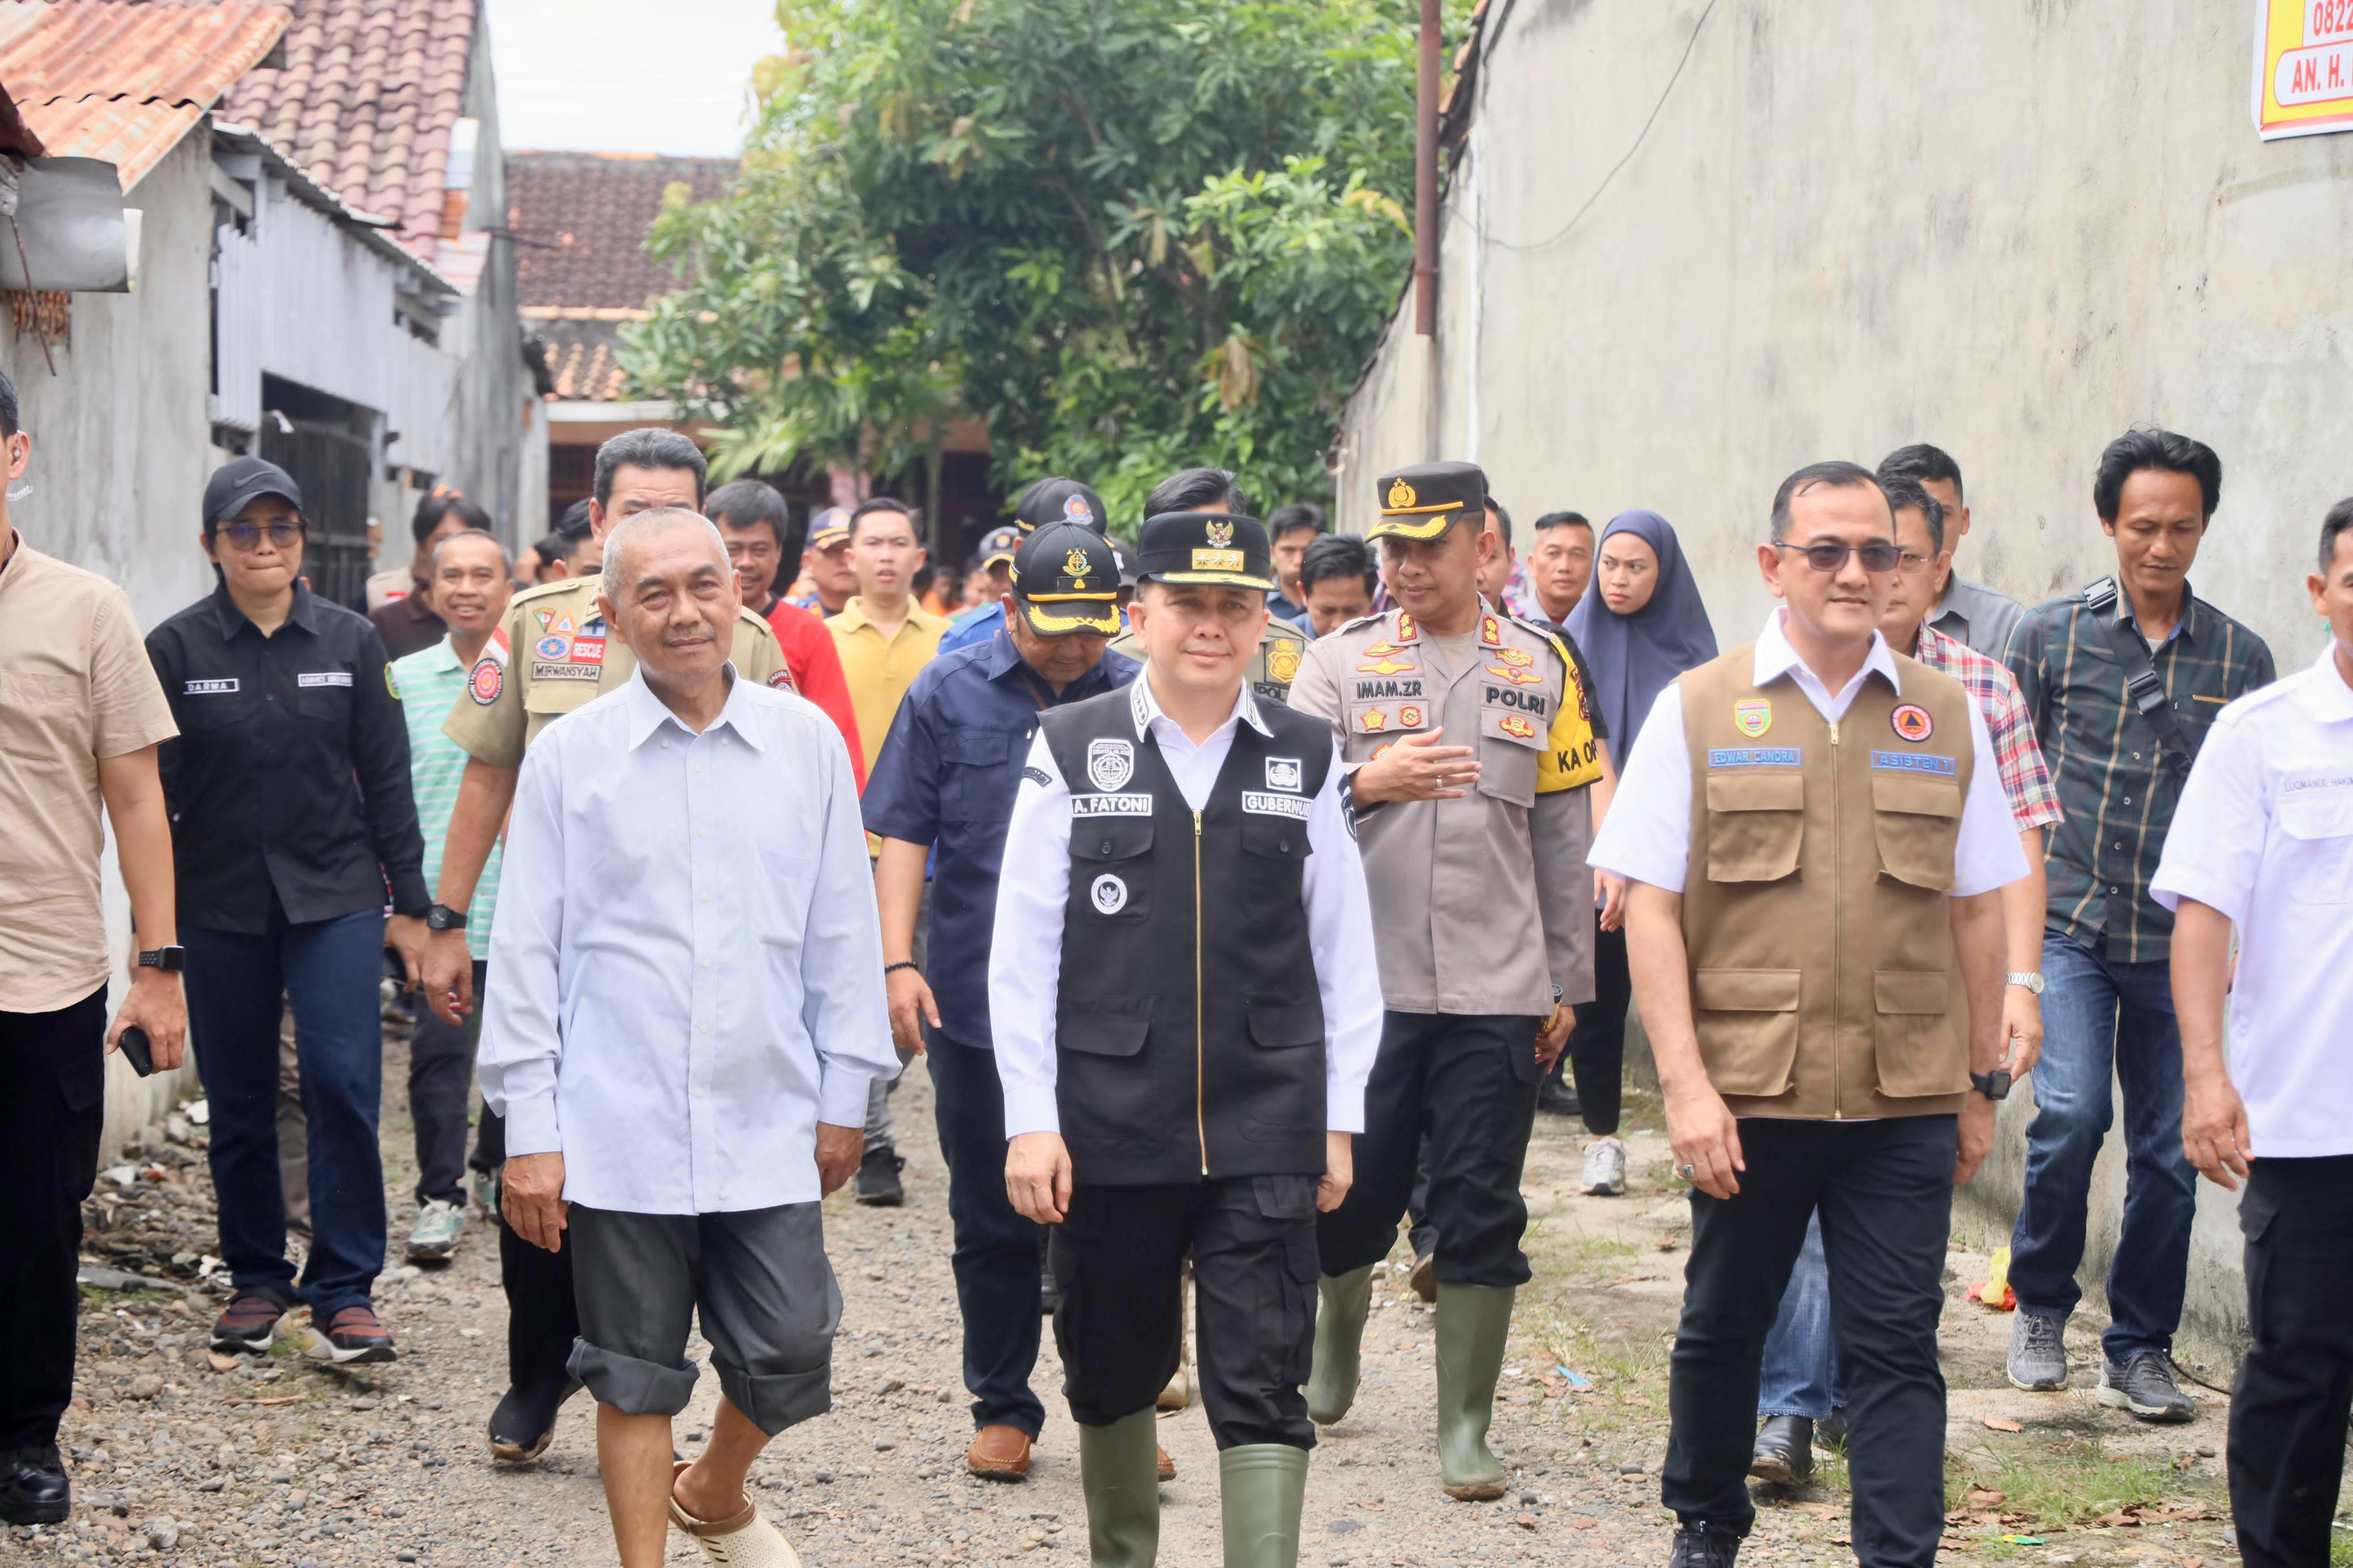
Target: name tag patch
1261, 804
210, 687
1915, 762
1371, 690
1759, 757
325, 678
1108, 805
548, 669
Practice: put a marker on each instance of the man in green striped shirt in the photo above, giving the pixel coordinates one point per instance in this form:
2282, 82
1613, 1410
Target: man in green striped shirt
471, 585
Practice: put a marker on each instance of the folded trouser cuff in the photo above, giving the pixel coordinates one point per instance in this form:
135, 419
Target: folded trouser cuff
774, 1401
631, 1386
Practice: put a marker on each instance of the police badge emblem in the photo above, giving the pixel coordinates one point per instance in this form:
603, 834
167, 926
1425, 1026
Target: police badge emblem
1110, 764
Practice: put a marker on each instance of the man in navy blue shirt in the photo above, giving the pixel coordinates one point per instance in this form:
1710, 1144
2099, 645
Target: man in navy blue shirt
944, 780
1044, 503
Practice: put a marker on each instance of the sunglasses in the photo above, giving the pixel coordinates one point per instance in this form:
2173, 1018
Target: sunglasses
248, 535
1831, 557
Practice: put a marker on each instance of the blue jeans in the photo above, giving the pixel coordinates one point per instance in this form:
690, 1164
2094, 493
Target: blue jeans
327, 969
2102, 1018
1801, 1374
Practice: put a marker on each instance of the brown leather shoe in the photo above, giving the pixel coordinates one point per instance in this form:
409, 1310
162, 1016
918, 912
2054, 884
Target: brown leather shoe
999, 1454
1167, 1466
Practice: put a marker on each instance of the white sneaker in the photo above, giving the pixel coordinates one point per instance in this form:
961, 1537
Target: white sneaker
1605, 1168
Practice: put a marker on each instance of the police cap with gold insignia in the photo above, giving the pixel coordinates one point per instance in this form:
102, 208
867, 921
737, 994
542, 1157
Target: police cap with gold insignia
1422, 501
1065, 580
1000, 545
1060, 501
1204, 547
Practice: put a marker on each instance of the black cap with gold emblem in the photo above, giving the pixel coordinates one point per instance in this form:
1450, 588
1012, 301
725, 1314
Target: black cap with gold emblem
1204, 547
1065, 580
1422, 501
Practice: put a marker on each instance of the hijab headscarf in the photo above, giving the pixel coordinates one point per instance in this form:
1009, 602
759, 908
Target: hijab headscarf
1634, 658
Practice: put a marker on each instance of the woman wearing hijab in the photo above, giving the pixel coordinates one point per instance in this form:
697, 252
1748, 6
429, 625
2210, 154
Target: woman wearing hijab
1640, 624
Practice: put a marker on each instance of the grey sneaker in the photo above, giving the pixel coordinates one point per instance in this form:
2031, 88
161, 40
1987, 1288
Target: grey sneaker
434, 1234
2145, 1386
2038, 1352
1605, 1168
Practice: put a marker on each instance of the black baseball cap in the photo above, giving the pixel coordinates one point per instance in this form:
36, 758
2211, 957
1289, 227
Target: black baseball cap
235, 483
1422, 502
1205, 547
1065, 580
1000, 545
1061, 500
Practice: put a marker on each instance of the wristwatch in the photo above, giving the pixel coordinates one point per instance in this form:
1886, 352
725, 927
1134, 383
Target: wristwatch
2033, 981
1994, 1085
170, 960
441, 917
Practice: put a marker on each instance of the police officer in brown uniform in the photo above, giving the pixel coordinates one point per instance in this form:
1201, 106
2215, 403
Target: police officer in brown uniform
551, 653
1816, 834
1469, 756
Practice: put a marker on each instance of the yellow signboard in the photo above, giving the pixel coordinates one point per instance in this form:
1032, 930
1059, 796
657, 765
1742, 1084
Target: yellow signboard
2304, 67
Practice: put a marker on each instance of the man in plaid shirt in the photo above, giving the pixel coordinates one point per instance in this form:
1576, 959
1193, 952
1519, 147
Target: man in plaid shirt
1799, 1385
2110, 1000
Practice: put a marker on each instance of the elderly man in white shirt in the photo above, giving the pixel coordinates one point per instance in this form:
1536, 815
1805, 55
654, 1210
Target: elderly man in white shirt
2264, 840
691, 1010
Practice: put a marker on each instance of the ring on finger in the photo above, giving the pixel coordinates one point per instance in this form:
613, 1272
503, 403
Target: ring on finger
1690, 1172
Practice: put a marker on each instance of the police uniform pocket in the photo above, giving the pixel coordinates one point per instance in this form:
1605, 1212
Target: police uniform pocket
1746, 1020
1509, 744
1756, 824
2320, 867
1914, 1044
1918, 821
1110, 867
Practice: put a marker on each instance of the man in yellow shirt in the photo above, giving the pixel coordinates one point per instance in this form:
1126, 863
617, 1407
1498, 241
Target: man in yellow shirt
884, 638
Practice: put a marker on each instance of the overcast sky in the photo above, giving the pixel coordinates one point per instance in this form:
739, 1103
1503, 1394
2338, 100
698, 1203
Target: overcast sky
627, 76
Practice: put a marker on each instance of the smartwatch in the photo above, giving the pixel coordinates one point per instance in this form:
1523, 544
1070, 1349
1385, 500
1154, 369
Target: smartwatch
1994, 1085
170, 960
441, 917
2032, 980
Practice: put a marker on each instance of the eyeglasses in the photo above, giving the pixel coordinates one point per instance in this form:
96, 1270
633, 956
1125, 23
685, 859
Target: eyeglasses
248, 535
1913, 564
1831, 557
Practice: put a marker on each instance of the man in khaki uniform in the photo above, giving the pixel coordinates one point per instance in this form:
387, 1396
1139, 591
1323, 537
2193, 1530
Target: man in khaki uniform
553, 653
1816, 835
1470, 845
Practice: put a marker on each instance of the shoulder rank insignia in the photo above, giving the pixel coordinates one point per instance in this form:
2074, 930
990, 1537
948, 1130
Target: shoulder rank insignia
1406, 630
1491, 631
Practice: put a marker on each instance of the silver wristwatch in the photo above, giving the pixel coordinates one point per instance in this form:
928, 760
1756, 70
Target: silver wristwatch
2031, 981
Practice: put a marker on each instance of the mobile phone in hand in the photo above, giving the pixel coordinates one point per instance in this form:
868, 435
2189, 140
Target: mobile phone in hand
136, 1051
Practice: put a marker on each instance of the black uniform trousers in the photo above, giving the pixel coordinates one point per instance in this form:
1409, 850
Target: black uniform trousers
998, 1259
50, 1117
2289, 1408
542, 1319
1119, 1260
440, 1088
1886, 1191
1468, 1084
1596, 1053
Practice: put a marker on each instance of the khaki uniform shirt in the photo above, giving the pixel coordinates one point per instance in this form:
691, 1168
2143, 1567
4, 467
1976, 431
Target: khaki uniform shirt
75, 686
1460, 886
553, 652
1272, 668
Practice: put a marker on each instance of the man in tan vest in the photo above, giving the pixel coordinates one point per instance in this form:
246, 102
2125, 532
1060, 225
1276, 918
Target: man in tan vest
1814, 831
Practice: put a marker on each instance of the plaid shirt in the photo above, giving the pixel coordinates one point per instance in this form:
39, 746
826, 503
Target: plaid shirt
2024, 780
2118, 793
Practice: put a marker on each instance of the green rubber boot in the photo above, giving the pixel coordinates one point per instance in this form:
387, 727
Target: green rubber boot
1347, 1300
1474, 1321
1119, 1471
1261, 1488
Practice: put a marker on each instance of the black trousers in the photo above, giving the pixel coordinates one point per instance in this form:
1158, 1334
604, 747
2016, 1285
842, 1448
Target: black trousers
2289, 1408
1469, 1085
1596, 1053
1120, 1262
542, 1319
50, 1116
440, 1082
1886, 1191
998, 1255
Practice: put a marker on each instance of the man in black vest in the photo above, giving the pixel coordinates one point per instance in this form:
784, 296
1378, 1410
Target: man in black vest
1180, 882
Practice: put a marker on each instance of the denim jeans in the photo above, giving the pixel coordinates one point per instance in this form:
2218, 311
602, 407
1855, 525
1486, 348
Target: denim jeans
327, 969
2102, 1019
1800, 1374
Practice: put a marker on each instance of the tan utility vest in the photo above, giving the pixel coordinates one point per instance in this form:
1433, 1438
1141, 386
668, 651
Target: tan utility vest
1816, 906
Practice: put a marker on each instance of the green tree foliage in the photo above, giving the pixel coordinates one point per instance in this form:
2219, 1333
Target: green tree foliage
1133, 234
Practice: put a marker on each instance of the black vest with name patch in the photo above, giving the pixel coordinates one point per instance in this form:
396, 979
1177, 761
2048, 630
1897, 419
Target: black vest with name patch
1189, 1028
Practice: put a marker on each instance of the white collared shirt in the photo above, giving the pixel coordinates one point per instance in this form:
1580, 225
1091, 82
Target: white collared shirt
688, 962
1647, 835
1025, 955
2264, 834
